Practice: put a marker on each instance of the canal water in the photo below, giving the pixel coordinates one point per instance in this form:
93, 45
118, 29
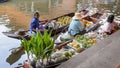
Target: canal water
20, 12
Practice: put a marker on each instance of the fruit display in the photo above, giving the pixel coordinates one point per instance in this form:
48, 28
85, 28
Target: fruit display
63, 20
68, 54
85, 41
96, 36
78, 50
91, 41
62, 55
76, 46
87, 23
71, 51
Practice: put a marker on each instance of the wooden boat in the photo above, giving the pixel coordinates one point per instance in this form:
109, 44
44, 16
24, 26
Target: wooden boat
95, 18
54, 31
21, 34
58, 30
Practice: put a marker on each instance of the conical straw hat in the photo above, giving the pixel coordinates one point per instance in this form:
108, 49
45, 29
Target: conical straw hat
77, 16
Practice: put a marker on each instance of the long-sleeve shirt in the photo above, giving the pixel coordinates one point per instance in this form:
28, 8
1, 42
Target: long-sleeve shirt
75, 27
34, 24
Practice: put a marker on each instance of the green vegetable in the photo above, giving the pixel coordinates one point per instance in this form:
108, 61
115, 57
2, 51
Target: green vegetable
83, 40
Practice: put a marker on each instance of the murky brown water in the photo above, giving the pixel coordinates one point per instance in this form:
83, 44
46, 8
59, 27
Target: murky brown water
20, 13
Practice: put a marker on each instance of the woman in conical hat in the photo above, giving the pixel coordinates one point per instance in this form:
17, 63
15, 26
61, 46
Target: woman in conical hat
77, 16
75, 26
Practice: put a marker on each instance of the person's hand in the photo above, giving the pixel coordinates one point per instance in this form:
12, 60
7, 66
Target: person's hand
41, 30
84, 25
33, 29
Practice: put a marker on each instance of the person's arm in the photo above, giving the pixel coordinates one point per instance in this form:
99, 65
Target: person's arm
115, 26
84, 24
33, 29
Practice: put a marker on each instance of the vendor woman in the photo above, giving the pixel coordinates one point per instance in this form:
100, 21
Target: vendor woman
109, 26
76, 27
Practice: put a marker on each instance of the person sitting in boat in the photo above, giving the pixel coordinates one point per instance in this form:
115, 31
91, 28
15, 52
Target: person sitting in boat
35, 23
76, 27
109, 26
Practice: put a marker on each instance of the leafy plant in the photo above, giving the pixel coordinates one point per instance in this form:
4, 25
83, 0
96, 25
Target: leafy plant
26, 45
41, 46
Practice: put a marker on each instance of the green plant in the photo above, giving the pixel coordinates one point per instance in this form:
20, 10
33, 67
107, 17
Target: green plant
27, 47
39, 45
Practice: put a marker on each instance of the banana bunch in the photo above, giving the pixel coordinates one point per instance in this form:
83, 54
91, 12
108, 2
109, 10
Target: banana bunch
91, 41
87, 23
64, 20
74, 44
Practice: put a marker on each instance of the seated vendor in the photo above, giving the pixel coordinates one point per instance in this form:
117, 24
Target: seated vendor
109, 26
75, 27
35, 24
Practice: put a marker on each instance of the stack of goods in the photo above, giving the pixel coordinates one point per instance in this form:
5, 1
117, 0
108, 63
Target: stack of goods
96, 36
63, 20
76, 46
85, 41
62, 55
88, 23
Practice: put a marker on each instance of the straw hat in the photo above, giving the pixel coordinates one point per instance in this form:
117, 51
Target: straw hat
77, 16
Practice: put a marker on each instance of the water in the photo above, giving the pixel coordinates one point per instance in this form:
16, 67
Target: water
5, 45
20, 15
112, 6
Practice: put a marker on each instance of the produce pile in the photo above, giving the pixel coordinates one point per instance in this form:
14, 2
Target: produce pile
69, 51
79, 43
65, 20
85, 41
87, 24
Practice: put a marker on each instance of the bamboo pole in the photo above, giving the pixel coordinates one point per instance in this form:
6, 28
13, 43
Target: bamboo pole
32, 7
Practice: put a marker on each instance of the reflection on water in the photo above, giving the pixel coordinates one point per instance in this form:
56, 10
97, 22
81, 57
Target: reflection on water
47, 8
21, 13
15, 56
6, 57
111, 5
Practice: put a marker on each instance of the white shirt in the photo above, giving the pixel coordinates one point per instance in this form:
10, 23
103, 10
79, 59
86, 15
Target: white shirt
106, 27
